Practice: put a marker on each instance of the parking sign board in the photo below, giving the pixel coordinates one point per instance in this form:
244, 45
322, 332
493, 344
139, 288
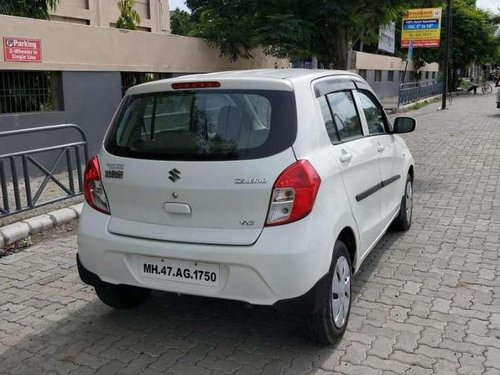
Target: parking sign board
423, 27
22, 50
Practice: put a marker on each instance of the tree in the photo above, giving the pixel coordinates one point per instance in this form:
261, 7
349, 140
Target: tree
180, 22
294, 29
129, 18
28, 8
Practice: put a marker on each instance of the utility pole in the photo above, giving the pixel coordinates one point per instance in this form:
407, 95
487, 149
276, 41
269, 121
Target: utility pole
446, 53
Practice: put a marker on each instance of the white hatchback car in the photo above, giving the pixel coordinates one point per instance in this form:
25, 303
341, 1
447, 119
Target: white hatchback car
259, 186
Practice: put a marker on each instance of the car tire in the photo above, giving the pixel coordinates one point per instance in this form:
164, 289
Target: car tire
403, 220
333, 300
121, 296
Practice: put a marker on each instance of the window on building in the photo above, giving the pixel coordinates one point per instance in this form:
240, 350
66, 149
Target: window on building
433, 75
426, 75
130, 79
390, 75
378, 76
362, 73
30, 91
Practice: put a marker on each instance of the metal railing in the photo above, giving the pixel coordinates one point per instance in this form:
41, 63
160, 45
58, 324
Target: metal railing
27, 159
414, 91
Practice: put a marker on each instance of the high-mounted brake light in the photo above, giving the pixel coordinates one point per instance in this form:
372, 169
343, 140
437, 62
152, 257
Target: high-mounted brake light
195, 85
294, 193
93, 189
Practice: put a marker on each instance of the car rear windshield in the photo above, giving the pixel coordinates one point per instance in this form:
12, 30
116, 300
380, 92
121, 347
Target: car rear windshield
204, 125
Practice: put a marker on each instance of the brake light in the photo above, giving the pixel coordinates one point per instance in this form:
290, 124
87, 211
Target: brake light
93, 189
195, 85
294, 193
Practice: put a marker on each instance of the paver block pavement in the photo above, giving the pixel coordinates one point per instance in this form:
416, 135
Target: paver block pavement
426, 301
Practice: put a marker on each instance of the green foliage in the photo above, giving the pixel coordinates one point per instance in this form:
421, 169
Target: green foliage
129, 18
180, 22
294, 29
28, 8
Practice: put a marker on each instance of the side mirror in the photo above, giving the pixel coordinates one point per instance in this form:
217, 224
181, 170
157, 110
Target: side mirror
404, 125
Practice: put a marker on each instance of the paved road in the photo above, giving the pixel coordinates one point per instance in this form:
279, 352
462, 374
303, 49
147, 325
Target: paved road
427, 301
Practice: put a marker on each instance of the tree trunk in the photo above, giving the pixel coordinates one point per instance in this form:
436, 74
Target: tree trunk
341, 48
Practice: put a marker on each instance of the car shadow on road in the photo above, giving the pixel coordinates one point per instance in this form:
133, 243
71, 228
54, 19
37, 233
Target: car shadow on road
194, 333
181, 330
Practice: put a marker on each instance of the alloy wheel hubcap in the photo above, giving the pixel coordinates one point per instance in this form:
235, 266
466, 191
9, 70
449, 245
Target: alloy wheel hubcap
409, 200
341, 291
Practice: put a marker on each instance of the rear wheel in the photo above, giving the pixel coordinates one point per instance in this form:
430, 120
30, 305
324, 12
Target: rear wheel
403, 220
333, 299
121, 296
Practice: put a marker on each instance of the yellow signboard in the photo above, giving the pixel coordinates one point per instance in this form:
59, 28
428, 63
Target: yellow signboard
423, 27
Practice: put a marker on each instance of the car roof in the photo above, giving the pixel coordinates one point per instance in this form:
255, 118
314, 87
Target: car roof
280, 79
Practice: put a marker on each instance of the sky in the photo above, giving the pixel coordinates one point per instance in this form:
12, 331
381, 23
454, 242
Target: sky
180, 4
491, 5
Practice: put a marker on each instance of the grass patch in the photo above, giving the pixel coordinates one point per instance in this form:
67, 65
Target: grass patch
419, 105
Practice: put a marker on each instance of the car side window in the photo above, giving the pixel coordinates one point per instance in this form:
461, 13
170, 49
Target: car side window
344, 115
373, 112
327, 117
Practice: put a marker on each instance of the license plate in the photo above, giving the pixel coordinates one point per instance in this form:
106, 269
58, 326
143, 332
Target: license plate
199, 273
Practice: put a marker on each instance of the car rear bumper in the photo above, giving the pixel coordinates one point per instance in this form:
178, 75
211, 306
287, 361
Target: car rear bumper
284, 263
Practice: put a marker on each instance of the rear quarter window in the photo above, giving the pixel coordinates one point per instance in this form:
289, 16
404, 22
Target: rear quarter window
204, 125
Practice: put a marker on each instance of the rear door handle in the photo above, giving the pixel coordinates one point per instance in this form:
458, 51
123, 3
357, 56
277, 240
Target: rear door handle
345, 157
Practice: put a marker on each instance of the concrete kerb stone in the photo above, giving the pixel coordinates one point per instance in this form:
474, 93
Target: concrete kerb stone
409, 107
77, 208
15, 232
64, 215
39, 224
21, 230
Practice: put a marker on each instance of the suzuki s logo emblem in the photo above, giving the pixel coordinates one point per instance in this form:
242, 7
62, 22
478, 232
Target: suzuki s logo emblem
175, 175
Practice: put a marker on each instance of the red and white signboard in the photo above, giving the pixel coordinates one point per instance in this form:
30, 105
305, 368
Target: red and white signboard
22, 50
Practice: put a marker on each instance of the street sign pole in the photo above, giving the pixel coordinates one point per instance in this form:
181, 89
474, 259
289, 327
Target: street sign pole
446, 53
408, 58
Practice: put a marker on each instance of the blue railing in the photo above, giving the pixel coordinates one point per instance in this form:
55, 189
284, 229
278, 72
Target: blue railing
412, 92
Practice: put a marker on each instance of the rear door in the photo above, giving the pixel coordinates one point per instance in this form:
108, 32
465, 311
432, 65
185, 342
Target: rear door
198, 165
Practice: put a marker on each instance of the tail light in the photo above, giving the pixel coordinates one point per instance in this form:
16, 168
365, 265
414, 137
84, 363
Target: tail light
93, 189
294, 193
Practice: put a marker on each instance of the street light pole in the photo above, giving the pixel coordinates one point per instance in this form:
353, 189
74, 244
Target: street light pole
446, 53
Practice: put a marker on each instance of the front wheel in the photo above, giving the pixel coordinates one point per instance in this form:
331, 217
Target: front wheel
121, 296
403, 220
333, 299
487, 89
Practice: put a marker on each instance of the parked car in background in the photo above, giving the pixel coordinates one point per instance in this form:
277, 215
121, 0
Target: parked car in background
260, 186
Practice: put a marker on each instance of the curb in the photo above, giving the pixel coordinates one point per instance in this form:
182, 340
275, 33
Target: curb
19, 231
409, 106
